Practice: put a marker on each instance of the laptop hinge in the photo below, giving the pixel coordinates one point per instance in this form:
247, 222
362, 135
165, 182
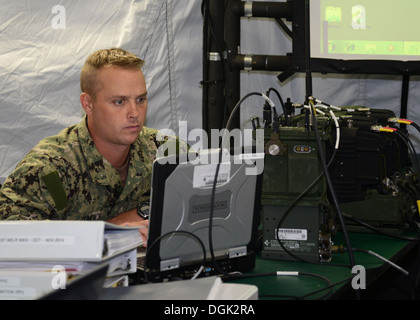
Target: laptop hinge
169, 264
237, 252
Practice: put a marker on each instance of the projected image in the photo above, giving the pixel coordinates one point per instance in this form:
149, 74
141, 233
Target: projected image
362, 29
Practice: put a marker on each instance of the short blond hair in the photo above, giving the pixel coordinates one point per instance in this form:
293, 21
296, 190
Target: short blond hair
114, 57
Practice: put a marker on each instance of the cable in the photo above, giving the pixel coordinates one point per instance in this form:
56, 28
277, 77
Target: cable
286, 116
368, 226
294, 274
326, 288
158, 239
299, 273
308, 188
213, 193
290, 207
337, 129
328, 105
410, 147
198, 272
414, 192
211, 249
331, 187
392, 264
321, 277
416, 126
407, 141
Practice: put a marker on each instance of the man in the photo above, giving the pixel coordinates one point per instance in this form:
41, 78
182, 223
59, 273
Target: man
99, 169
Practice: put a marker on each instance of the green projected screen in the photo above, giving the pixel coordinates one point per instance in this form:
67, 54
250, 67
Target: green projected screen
365, 29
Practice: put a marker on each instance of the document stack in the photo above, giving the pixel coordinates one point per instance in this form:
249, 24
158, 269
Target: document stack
37, 257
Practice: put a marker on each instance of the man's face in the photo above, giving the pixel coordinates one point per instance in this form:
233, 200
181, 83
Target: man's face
117, 114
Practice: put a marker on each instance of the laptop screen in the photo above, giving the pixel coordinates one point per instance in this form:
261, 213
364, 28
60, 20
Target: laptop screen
181, 198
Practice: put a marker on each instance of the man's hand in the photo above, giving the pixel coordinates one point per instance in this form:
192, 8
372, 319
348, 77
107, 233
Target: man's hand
132, 219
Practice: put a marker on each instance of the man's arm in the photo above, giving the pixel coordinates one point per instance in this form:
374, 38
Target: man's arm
132, 219
21, 198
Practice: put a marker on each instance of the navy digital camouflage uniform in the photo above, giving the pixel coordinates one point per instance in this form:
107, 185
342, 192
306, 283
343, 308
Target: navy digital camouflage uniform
90, 186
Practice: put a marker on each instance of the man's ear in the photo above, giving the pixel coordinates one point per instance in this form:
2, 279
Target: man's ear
86, 101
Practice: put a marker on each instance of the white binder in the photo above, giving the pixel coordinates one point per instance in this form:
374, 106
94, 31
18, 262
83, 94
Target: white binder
123, 263
65, 240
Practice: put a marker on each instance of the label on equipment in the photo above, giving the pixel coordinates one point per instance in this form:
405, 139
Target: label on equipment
204, 175
291, 234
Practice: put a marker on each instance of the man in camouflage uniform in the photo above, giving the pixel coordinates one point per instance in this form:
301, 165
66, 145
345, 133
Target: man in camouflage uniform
99, 169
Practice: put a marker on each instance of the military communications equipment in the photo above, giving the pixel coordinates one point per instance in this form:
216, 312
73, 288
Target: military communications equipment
369, 162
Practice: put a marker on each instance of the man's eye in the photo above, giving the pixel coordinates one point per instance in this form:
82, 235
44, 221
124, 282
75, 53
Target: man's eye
119, 102
141, 100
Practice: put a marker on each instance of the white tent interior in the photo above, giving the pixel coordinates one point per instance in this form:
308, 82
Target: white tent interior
45, 43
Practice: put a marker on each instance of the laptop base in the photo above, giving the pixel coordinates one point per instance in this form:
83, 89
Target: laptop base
241, 264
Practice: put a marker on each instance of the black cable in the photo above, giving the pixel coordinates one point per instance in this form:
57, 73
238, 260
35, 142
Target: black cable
410, 147
308, 274
158, 239
213, 192
321, 277
416, 126
372, 228
331, 187
404, 272
286, 116
290, 207
216, 266
307, 39
413, 193
326, 288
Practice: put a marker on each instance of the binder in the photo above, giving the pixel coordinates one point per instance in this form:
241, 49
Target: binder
25, 285
23, 280
60, 240
123, 263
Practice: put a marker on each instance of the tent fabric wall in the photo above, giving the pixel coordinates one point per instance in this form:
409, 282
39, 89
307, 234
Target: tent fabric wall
45, 43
